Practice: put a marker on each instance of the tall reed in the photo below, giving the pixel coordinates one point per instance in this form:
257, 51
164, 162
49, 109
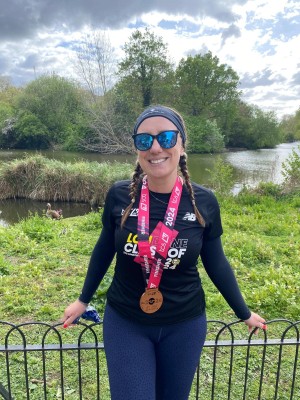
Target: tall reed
39, 178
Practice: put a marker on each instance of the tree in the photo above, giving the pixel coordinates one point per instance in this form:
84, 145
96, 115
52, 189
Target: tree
107, 133
290, 127
55, 101
29, 132
254, 128
205, 87
265, 128
240, 135
8, 92
6, 122
95, 63
204, 136
145, 71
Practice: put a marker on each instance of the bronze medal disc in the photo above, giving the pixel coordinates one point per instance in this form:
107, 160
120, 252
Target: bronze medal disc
151, 301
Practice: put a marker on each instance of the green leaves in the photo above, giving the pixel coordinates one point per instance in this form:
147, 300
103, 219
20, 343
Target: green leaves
204, 84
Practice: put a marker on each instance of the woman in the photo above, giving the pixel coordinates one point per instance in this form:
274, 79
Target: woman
158, 224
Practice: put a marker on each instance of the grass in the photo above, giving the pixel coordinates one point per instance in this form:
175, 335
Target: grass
43, 264
39, 178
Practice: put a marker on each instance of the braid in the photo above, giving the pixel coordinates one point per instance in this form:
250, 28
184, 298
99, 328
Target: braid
136, 177
187, 180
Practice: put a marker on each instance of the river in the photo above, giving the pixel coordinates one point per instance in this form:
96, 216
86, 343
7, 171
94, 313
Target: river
250, 167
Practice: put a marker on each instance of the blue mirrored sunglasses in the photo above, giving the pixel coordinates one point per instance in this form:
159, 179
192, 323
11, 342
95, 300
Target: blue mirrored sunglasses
166, 140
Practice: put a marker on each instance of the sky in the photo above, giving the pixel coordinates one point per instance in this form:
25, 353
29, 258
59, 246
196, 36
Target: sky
259, 39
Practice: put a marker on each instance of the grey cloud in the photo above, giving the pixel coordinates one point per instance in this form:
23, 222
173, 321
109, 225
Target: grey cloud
296, 78
279, 96
232, 30
193, 52
22, 19
31, 61
260, 78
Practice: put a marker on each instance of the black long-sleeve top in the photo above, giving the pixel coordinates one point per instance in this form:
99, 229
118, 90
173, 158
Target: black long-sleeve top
180, 284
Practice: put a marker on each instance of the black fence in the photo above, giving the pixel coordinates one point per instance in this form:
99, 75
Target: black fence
43, 361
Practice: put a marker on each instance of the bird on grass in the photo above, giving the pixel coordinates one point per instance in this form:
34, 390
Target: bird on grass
54, 214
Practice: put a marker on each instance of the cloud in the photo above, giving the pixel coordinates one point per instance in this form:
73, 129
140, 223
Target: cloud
232, 30
257, 38
260, 78
22, 19
296, 79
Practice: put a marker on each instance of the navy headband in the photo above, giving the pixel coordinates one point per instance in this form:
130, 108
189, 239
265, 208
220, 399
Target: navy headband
161, 111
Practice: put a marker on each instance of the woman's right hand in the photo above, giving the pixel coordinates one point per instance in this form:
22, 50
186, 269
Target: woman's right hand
73, 311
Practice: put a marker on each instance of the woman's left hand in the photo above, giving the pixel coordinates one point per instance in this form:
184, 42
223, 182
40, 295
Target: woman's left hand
255, 321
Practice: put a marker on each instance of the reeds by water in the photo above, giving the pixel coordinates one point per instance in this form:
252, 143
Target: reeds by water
39, 178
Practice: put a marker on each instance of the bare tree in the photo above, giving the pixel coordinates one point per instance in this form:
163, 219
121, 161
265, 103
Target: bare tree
5, 83
107, 136
96, 63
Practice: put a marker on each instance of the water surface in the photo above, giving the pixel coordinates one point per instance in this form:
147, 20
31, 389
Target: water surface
250, 168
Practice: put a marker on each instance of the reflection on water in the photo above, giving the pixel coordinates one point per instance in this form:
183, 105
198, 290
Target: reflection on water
265, 165
12, 211
250, 167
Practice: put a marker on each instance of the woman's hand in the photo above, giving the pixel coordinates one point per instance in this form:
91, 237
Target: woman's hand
255, 321
73, 311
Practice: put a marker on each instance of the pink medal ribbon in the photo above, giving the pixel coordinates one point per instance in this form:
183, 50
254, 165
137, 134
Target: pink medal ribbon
152, 267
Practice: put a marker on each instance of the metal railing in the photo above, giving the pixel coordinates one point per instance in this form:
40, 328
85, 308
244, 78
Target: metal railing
43, 361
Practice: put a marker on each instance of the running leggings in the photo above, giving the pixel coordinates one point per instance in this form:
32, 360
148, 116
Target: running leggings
151, 362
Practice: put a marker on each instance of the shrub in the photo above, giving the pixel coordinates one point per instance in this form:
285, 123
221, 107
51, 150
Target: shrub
291, 171
221, 177
204, 136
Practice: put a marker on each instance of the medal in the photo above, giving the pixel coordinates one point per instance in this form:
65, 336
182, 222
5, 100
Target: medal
152, 266
151, 301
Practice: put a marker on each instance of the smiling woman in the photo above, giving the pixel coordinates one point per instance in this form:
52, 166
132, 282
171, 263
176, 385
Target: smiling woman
155, 318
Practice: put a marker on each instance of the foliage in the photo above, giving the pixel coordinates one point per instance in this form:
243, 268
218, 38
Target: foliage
56, 102
221, 177
253, 128
43, 265
145, 67
107, 127
204, 136
261, 241
55, 111
291, 171
39, 178
290, 127
28, 132
264, 129
6, 116
204, 84
268, 189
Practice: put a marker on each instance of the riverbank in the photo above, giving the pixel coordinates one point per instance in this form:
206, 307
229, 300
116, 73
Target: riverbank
43, 264
261, 240
43, 179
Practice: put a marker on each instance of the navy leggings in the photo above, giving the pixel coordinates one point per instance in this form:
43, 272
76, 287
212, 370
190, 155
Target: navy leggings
151, 362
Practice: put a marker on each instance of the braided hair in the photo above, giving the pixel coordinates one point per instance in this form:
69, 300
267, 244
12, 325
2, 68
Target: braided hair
188, 184
134, 184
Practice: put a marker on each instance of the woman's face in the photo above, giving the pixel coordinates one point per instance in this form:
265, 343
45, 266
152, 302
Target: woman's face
160, 164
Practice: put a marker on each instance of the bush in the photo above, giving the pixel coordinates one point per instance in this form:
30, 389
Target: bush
291, 171
204, 136
221, 177
28, 132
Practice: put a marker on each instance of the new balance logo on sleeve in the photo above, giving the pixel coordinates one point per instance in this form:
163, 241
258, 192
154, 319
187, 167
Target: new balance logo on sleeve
189, 217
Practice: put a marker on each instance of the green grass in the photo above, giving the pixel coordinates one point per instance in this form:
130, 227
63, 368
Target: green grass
43, 264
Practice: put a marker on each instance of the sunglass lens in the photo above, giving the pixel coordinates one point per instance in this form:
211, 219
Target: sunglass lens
167, 139
143, 142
